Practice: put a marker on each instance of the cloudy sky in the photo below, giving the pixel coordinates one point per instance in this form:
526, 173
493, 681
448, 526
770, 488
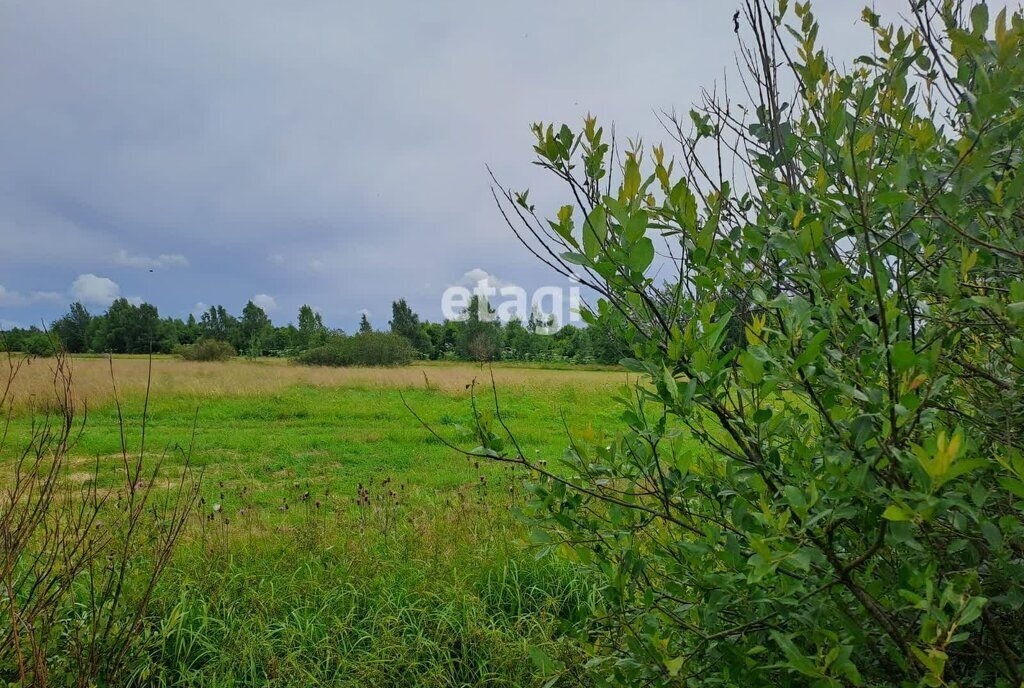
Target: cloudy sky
322, 152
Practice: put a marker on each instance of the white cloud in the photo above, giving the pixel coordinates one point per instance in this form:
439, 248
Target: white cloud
199, 309
266, 302
99, 291
277, 259
479, 276
316, 264
164, 260
364, 311
15, 298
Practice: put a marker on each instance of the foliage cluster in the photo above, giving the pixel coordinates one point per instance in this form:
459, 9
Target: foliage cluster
843, 337
129, 328
207, 350
363, 349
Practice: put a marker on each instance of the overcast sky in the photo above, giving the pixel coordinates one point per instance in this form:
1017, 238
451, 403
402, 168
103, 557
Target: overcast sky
331, 153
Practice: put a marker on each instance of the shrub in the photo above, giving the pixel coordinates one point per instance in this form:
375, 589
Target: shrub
821, 479
40, 344
207, 350
64, 543
364, 349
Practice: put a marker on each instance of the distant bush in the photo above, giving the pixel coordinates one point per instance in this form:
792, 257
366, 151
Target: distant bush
39, 344
364, 349
207, 350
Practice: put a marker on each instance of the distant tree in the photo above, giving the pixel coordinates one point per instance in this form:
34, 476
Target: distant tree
311, 328
254, 330
406, 323
171, 333
364, 325
573, 343
480, 338
217, 323
539, 323
519, 343
73, 329
191, 332
130, 329
97, 334
443, 337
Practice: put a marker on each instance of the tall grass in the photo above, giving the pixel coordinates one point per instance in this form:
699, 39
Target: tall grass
172, 377
314, 580
79, 563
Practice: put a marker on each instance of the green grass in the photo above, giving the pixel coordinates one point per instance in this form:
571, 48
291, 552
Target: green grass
434, 586
333, 439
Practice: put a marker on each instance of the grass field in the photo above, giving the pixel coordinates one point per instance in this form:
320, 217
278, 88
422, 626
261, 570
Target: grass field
284, 576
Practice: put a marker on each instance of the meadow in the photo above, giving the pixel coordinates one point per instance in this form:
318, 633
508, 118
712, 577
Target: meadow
337, 541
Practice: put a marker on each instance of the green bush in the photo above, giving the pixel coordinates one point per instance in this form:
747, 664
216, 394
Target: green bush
364, 349
39, 344
207, 350
820, 478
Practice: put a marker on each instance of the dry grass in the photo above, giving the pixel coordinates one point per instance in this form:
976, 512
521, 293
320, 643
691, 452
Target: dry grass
33, 386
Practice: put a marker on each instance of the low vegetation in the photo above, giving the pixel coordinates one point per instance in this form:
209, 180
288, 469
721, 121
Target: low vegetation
363, 349
206, 350
332, 541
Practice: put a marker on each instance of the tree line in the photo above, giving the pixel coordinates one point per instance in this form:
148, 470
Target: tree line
128, 328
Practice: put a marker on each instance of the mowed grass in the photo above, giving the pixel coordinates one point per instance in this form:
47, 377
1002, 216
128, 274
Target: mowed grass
283, 578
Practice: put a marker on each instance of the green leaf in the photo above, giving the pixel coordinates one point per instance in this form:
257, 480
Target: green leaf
635, 226
903, 356
1013, 486
564, 224
631, 178
685, 205
813, 349
864, 142
990, 531
595, 232
545, 664
670, 384
979, 19
897, 512
753, 368
794, 657
633, 365
674, 665
641, 255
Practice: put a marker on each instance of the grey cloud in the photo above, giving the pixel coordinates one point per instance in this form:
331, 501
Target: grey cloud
14, 298
320, 151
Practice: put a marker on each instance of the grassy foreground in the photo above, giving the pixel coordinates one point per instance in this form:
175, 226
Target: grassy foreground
338, 542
